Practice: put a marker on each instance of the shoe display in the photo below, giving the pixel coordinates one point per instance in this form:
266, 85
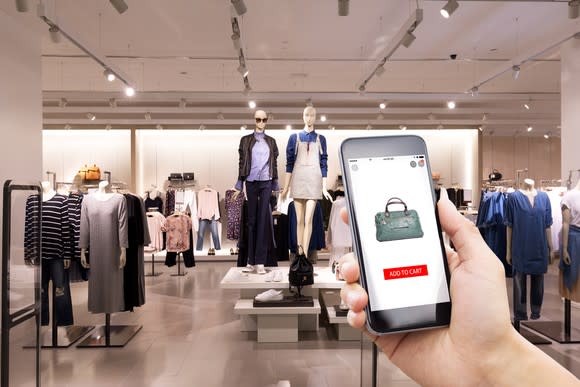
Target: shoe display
260, 269
211, 251
270, 276
277, 276
248, 269
270, 295
232, 251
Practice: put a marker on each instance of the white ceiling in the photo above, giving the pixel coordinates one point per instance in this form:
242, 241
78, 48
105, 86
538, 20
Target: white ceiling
299, 49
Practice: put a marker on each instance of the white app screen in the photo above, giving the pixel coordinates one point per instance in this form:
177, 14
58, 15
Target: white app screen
401, 251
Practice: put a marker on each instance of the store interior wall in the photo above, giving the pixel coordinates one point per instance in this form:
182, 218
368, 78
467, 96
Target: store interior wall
542, 157
570, 117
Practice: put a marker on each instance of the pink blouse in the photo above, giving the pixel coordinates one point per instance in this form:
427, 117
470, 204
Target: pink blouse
177, 227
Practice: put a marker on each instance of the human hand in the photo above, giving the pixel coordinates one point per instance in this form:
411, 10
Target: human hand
66, 263
508, 257
566, 257
84, 262
473, 349
123, 258
236, 193
284, 194
327, 195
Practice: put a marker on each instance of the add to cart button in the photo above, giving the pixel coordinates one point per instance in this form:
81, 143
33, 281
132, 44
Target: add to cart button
405, 272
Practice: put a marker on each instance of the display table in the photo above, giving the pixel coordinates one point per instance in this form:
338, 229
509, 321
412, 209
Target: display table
277, 324
343, 330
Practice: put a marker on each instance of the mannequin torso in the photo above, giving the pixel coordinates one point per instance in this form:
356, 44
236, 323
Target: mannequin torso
47, 191
529, 190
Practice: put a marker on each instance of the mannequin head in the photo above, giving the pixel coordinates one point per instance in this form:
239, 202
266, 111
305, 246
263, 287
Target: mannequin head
529, 184
260, 116
103, 186
309, 117
46, 186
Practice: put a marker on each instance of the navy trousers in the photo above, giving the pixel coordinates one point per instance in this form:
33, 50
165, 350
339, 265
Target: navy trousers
257, 223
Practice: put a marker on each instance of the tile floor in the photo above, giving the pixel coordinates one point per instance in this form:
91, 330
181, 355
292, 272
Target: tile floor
191, 337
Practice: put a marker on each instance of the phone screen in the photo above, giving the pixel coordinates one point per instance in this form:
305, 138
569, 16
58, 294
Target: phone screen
401, 249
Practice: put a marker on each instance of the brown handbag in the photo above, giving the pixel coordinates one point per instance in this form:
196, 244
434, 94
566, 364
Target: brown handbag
90, 172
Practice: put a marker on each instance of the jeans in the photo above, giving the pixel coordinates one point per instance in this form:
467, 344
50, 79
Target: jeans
213, 228
258, 220
53, 269
520, 295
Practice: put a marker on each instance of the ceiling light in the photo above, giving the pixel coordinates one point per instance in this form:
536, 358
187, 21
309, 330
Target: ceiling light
380, 116
440, 126
129, 91
109, 75
62, 103
252, 104
380, 70
112, 103
242, 69
22, 5
239, 6
383, 105
148, 116
159, 127
91, 116
182, 103
450, 104
247, 90
119, 5
309, 102
220, 116
530, 128
288, 127
201, 127
480, 128
547, 136
243, 127
362, 89
474, 91
408, 39
343, 7
403, 127
54, 34
527, 106
67, 127
573, 9
516, 71
108, 127
449, 8
323, 118
237, 43
332, 127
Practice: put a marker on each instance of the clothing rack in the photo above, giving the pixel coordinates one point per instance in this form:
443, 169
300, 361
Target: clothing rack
550, 183
153, 274
554, 329
179, 272
108, 336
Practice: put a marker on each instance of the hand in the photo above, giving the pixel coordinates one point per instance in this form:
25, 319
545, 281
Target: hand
327, 195
475, 345
123, 258
284, 194
508, 257
66, 263
552, 255
84, 262
566, 257
236, 193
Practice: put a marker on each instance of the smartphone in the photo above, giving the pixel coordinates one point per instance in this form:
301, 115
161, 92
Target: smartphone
396, 233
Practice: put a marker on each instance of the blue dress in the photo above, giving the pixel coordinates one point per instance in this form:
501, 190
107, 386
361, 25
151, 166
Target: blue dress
529, 224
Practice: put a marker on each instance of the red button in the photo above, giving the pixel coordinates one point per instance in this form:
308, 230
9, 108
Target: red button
405, 272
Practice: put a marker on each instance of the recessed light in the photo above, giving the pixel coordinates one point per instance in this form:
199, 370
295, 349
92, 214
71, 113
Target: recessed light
546, 136
451, 104
527, 106
323, 118
383, 105
530, 128
252, 104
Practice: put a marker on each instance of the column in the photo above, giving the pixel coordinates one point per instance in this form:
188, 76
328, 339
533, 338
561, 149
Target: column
570, 94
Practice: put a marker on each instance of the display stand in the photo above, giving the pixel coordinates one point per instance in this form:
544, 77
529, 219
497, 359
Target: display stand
375, 365
179, 272
555, 330
530, 336
108, 336
153, 274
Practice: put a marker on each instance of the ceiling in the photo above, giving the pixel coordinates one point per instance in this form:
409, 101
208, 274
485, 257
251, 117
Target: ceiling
301, 49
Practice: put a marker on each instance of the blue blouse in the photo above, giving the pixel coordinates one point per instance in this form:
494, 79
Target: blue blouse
529, 224
308, 137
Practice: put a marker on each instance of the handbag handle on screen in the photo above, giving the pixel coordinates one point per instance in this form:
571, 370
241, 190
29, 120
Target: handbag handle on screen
395, 201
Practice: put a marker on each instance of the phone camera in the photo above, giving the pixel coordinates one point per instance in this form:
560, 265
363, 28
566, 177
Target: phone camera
354, 168
421, 163
413, 164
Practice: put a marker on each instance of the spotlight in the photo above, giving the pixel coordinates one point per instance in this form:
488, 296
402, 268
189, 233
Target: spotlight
408, 39
383, 105
67, 127
22, 5
380, 71
527, 106
484, 118
547, 136
252, 104
247, 90
343, 7
323, 118
451, 105
288, 127
236, 41
449, 8
129, 91
62, 103
91, 116
159, 127
403, 127
474, 91
119, 5
108, 127
362, 89
148, 116
243, 70
182, 103
309, 102
516, 71
530, 128
239, 6
480, 128
332, 127
54, 34
112, 103
573, 9
109, 75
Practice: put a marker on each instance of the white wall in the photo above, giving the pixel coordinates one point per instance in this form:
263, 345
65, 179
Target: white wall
65, 151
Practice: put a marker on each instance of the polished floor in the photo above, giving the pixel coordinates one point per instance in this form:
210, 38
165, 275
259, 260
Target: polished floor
191, 337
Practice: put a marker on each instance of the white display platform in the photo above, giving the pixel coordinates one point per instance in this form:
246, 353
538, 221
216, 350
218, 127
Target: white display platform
324, 278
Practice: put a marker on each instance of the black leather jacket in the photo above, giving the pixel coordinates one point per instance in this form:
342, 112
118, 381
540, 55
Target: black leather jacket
245, 151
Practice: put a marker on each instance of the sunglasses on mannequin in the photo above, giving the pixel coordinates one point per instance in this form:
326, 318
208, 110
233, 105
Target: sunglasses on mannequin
264, 120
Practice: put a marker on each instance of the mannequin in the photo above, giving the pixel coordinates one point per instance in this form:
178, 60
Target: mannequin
47, 191
570, 251
306, 172
258, 169
104, 194
529, 246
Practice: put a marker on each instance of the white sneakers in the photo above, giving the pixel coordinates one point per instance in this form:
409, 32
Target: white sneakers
248, 269
260, 269
274, 276
270, 295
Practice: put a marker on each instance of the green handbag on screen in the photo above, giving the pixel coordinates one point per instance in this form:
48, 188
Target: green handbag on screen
397, 225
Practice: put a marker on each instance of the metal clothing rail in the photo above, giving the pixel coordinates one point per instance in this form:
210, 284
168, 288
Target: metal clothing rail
11, 320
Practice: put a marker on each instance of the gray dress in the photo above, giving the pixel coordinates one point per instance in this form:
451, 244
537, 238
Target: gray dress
104, 232
306, 180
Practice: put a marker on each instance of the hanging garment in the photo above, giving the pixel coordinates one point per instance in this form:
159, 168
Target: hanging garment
455, 196
153, 204
570, 272
76, 272
154, 224
188, 257
234, 214
177, 227
208, 204
306, 180
190, 207
104, 233
169, 202
555, 195
282, 251
213, 226
529, 224
491, 224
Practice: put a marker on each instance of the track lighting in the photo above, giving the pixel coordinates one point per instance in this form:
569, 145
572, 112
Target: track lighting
109, 75
547, 135
309, 102
91, 116
67, 127
530, 128
403, 127
380, 71
451, 105
108, 127
119, 5
331, 127
243, 127
573, 9
62, 103
383, 105
527, 106
129, 91
220, 116
449, 8
159, 127
112, 103
440, 126
343, 7
408, 39
182, 103
201, 127
247, 90
474, 91
484, 117
252, 104
288, 127
148, 116
54, 34
369, 127
236, 41
242, 69
323, 118
22, 5
516, 71
480, 128
239, 6
362, 89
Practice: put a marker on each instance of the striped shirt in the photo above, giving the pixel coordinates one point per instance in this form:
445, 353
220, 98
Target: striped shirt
55, 237
75, 201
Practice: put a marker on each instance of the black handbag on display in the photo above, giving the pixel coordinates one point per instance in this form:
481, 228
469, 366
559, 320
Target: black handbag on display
175, 177
495, 175
301, 272
188, 176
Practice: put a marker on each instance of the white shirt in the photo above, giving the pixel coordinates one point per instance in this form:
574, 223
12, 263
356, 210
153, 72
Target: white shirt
572, 200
